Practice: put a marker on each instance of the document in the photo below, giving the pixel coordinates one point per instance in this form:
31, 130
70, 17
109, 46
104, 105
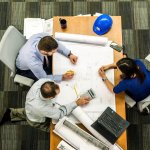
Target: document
37, 25
90, 58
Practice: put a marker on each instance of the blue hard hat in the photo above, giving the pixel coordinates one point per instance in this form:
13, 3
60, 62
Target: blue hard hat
102, 24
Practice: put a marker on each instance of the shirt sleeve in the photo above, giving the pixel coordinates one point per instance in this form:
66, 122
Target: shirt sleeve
39, 72
57, 113
62, 49
56, 78
121, 87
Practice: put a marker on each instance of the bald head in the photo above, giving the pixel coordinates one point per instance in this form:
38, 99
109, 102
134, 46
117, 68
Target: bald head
49, 89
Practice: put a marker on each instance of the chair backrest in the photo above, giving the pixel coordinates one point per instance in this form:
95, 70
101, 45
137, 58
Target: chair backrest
10, 45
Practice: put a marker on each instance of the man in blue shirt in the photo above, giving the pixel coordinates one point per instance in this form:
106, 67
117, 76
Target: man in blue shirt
135, 78
32, 60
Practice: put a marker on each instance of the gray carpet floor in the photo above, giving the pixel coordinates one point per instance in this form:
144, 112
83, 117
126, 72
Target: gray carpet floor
136, 37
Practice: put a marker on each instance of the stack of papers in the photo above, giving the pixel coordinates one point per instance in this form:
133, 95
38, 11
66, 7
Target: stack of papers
37, 25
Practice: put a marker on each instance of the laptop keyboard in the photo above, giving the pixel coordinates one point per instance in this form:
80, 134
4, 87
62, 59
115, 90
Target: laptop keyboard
111, 124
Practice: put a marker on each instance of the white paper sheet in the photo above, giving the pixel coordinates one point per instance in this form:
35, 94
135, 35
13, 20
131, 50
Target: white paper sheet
48, 26
84, 15
90, 58
33, 26
37, 25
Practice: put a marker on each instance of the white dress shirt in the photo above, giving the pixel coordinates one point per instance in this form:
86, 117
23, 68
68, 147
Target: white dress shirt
37, 108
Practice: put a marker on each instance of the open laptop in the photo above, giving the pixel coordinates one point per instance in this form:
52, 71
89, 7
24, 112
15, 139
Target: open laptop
110, 125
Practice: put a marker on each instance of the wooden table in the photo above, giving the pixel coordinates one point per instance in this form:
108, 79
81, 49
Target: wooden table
84, 25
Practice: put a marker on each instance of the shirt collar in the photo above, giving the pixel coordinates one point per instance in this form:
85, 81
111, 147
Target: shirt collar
46, 99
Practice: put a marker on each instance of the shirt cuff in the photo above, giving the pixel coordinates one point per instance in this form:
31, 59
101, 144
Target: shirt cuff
74, 105
56, 78
69, 54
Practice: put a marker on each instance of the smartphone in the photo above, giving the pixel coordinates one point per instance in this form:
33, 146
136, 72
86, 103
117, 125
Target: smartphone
116, 47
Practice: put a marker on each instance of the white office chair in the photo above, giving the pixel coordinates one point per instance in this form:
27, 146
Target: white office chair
10, 45
129, 101
144, 103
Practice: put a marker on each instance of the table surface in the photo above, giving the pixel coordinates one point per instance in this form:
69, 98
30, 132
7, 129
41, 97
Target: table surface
83, 25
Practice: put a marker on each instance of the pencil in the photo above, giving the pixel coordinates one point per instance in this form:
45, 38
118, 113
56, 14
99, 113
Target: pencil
75, 90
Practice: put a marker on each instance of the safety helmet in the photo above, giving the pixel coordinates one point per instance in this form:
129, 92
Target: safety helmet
102, 24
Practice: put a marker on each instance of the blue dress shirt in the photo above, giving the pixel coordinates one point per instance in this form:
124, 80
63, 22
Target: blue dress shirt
136, 90
30, 58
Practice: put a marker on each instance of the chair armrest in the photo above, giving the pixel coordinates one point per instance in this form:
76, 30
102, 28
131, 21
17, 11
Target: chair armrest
148, 57
144, 103
129, 101
23, 80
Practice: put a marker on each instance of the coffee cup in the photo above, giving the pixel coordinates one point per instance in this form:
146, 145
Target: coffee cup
63, 23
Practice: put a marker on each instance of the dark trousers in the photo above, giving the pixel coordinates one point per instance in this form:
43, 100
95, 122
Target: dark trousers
29, 73
19, 114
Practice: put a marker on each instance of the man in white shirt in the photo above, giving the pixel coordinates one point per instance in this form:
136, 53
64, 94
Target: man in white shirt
40, 106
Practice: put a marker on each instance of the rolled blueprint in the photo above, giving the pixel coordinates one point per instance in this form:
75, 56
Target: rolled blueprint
86, 135
74, 138
64, 146
78, 38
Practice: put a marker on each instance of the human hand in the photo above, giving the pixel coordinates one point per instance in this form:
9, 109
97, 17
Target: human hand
82, 101
73, 59
68, 75
101, 72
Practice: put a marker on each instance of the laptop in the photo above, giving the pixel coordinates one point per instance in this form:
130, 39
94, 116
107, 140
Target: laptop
110, 125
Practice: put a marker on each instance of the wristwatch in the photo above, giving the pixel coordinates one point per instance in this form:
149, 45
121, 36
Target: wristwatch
104, 79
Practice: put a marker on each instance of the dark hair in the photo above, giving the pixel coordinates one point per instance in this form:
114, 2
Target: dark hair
47, 44
48, 89
129, 67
